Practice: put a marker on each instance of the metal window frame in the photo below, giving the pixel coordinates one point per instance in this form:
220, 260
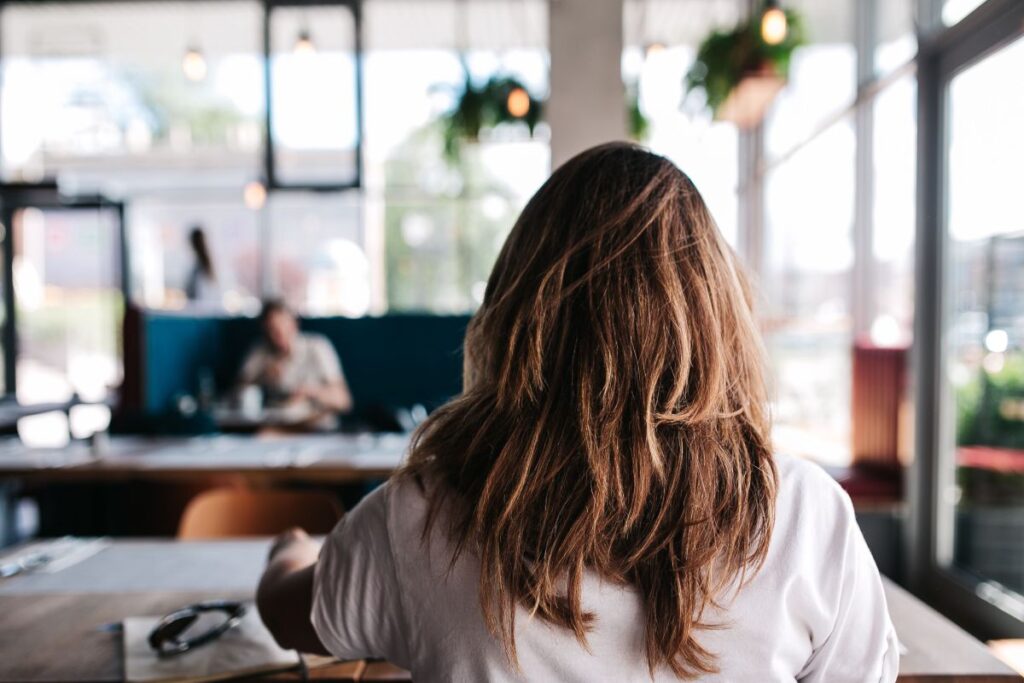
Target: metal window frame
961, 596
864, 303
267, 7
267, 167
15, 197
272, 180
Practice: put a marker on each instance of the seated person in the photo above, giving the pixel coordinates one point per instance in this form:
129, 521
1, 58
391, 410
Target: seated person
296, 369
602, 502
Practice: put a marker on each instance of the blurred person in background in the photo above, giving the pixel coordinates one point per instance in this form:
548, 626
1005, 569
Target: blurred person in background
296, 370
202, 287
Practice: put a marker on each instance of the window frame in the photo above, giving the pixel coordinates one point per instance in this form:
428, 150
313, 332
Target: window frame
941, 57
269, 149
45, 195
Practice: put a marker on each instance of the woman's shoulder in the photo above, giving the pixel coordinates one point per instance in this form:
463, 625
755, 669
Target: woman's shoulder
811, 510
804, 480
401, 504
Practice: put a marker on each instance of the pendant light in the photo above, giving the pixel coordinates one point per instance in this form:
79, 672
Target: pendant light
304, 43
518, 103
194, 64
774, 26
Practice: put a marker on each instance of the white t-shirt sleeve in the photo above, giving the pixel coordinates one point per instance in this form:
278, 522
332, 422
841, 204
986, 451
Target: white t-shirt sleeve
253, 367
327, 363
357, 604
861, 646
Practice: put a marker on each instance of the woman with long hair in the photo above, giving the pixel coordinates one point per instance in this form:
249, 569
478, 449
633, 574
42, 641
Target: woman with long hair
602, 501
201, 286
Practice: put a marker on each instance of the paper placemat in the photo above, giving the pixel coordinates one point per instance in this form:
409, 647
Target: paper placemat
244, 650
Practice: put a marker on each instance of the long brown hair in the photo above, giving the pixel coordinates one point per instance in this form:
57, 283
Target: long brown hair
614, 414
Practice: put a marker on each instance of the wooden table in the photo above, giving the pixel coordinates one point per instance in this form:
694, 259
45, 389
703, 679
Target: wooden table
935, 649
62, 626
327, 458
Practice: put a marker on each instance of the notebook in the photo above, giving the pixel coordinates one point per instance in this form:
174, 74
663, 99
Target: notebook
244, 650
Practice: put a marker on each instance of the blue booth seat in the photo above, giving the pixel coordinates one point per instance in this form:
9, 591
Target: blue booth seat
391, 361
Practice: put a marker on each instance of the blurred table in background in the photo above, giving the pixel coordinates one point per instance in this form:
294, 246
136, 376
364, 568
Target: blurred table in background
139, 486
334, 458
299, 418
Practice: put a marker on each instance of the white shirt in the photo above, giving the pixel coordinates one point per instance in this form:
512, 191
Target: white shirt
815, 612
312, 361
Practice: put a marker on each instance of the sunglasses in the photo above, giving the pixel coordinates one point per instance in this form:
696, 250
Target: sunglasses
169, 638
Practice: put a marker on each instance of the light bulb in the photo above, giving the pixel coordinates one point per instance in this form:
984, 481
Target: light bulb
518, 103
774, 26
304, 44
254, 195
654, 48
194, 65
997, 341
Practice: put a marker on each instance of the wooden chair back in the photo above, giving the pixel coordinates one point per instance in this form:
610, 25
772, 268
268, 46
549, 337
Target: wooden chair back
234, 512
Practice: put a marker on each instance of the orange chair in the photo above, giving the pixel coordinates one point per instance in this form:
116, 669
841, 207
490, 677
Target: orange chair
225, 513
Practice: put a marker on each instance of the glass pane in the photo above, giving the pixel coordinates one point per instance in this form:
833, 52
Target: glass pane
114, 96
955, 10
313, 98
318, 251
166, 269
706, 150
434, 224
806, 285
985, 364
897, 40
67, 290
440, 253
893, 216
822, 76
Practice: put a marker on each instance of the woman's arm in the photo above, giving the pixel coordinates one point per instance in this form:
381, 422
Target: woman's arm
334, 396
285, 594
331, 391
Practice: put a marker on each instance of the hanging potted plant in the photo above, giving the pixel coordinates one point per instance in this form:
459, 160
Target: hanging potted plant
502, 99
741, 71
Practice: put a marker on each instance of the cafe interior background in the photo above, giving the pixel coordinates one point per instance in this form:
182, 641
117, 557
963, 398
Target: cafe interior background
364, 161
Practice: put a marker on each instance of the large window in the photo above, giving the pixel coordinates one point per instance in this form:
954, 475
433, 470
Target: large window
68, 297
823, 77
806, 282
660, 44
163, 261
893, 178
315, 256
314, 108
969, 533
985, 324
119, 95
434, 222
164, 106
705, 150
806, 263
836, 261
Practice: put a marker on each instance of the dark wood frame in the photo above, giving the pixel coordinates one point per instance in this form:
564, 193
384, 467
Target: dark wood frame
44, 195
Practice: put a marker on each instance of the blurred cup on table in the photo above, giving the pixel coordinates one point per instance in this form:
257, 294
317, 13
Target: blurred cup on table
251, 401
99, 444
